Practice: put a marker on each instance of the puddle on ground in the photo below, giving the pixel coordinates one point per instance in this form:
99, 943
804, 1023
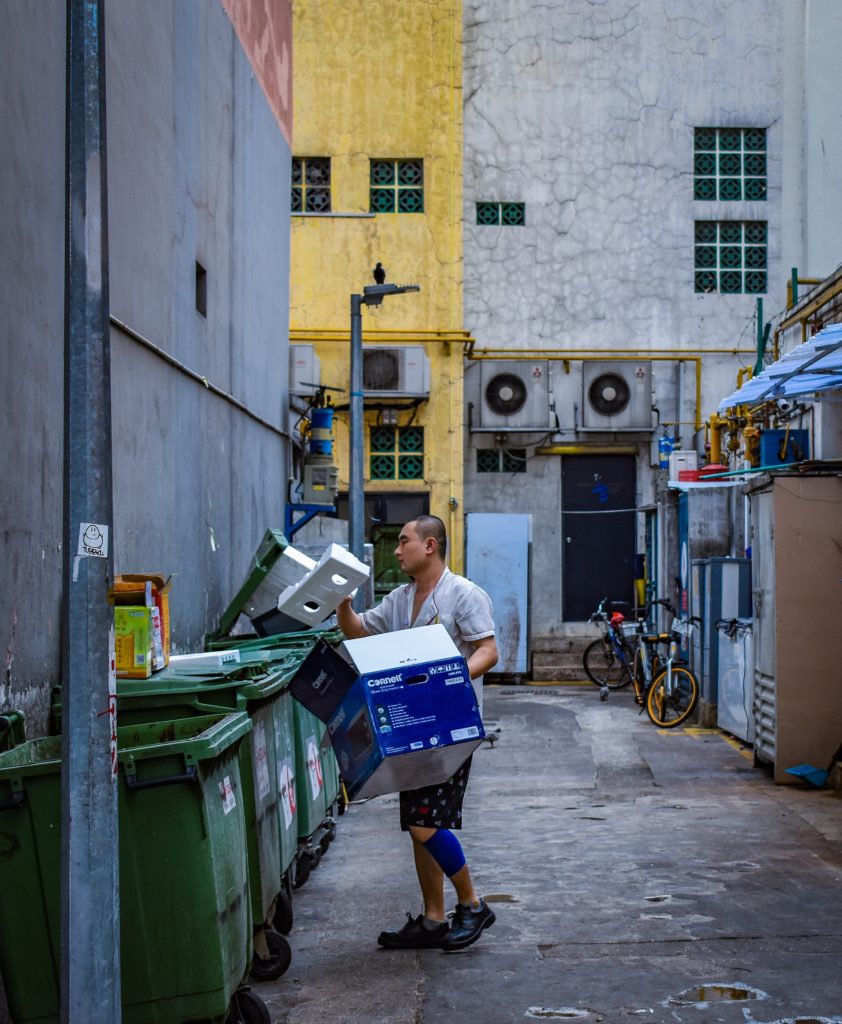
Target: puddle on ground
500, 897
703, 995
558, 1013
808, 1020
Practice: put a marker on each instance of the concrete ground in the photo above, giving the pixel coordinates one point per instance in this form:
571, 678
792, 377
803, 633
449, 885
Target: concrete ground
636, 874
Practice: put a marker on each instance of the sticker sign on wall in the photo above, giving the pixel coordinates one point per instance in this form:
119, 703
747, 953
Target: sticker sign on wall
261, 761
229, 801
93, 543
286, 785
314, 766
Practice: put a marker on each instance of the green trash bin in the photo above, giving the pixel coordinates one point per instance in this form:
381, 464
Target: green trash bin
304, 640
318, 790
258, 687
185, 917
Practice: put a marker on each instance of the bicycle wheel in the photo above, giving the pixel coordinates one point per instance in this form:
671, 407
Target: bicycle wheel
639, 676
603, 667
668, 710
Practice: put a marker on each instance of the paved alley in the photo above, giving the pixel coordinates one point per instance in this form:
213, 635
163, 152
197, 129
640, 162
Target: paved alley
636, 875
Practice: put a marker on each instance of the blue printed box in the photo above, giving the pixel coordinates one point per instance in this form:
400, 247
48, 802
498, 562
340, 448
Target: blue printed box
406, 714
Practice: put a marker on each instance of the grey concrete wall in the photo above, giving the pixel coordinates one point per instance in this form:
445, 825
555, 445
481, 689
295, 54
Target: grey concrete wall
198, 170
32, 80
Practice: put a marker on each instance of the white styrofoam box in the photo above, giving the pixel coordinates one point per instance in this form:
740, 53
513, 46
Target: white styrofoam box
402, 647
205, 659
289, 569
337, 574
682, 461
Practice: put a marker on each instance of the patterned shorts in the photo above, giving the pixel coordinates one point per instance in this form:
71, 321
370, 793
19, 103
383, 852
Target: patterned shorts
437, 806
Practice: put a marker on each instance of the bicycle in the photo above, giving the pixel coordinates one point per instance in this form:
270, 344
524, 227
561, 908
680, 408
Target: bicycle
608, 659
648, 662
674, 691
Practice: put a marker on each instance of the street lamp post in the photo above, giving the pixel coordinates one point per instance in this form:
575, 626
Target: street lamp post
372, 295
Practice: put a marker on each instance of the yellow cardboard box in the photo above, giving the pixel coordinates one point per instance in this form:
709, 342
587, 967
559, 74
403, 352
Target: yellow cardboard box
133, 641
148, 589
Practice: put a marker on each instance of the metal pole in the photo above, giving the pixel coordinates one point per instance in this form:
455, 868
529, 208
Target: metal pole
90, 920
356, 494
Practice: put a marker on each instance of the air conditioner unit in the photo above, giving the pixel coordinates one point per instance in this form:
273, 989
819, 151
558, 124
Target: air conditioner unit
514, 395
617, 395
392, 372
304, 370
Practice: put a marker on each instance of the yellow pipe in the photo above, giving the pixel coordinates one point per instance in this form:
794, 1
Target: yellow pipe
716, 424
599, 353
587, 449
803, 313
302, 337
801, 280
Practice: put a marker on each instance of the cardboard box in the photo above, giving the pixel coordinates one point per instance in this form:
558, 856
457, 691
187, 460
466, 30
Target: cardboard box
152, 590
401, 709
133, 637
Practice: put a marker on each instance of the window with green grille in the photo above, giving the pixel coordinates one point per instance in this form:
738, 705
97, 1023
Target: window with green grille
501, 460
729, 164
511, 214
397, 186
730, 256
396, 453
311, 184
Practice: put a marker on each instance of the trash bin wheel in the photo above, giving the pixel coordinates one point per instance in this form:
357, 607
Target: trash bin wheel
324, 843
303, 866
248, 1008
280, 957
283, 919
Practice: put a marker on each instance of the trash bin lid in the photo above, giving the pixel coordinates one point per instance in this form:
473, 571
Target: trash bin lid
270, 550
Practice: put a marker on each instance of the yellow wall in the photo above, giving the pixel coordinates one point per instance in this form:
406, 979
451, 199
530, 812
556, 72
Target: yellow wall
384, 79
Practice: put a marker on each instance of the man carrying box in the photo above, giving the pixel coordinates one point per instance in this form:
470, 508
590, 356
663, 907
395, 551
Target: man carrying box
428, 814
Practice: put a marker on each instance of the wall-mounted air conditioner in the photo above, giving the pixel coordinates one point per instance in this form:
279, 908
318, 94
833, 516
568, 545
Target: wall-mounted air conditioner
617, 395
304, 370
396, 372
514, 395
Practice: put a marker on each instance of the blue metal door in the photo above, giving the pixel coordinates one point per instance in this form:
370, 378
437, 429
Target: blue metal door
497, 559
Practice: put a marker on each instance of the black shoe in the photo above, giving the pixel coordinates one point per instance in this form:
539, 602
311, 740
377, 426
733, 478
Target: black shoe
414, 935
468, 925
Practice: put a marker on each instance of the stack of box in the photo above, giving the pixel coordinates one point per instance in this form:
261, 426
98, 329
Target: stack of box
141, 624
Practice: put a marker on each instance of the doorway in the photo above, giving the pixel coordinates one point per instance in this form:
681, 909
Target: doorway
597, 532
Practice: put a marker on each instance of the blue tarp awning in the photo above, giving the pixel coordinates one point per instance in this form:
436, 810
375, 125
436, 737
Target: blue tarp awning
815, 365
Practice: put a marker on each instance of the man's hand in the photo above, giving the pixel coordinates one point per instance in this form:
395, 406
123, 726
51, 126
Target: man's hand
349, 622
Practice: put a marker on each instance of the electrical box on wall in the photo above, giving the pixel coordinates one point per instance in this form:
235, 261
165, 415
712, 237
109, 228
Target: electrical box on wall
304, 370
514, 396
396, 372
617, 395
784, 446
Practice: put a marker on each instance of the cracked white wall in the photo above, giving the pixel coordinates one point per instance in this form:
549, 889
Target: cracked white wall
584, 110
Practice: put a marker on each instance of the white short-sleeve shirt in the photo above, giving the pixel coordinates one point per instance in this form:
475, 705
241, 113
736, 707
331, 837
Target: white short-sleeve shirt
463, 608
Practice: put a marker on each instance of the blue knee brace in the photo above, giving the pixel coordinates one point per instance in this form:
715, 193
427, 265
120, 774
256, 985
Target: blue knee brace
446, 850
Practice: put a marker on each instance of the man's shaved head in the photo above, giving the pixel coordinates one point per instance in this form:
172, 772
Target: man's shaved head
431, 526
